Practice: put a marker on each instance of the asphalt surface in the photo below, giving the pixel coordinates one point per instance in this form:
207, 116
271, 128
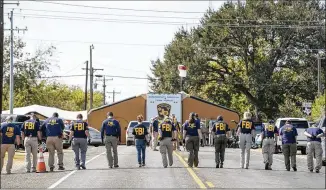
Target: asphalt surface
153, 175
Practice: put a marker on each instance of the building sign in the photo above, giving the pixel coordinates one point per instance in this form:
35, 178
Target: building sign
307, 107
163, 105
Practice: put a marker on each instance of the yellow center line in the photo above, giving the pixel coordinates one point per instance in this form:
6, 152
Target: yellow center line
191, 172
210, 184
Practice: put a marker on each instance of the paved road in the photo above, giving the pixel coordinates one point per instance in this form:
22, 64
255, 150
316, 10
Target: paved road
99, 175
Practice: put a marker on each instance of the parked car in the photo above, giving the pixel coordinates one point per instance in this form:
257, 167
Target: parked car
258, 131
322, 125
129, 135
95, 137
301, 124
65, 137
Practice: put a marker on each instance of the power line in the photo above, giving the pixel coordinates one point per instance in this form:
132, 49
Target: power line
110, 14
230, 25
168, 17
158, 45
120, 9
114, 76
74, 68
143, 78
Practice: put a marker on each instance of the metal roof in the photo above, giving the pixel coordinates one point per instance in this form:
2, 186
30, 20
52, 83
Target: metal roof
47, 112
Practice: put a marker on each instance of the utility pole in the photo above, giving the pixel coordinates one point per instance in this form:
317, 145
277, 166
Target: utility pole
113, 94
91, 76
11, 83
11, 96
1, 50
91, 86
319, 76
1, 54
104, 86
86, 83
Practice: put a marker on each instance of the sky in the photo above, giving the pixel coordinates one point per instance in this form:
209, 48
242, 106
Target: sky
120, 48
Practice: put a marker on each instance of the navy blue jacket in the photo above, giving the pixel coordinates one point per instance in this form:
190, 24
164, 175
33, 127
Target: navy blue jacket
110, 127
79, 128
246, 126
53, 127
140, 131
9, 132
192, 128
166, 129
220, 128
314, 131
30, 127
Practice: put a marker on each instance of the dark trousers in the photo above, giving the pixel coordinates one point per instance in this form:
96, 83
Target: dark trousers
192, 146
141, 148
289, 151
220, 144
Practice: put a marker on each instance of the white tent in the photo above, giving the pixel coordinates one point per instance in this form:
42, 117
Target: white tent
47, 112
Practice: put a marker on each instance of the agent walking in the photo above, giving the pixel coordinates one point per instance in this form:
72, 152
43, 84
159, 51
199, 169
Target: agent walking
191, 137
78, 134
155, 125
246, 130
140, 134
178, 128
288, 135
111, 130
54, 130
31, 134
167, 134
314, 147
221, 132
9, 133
269, 136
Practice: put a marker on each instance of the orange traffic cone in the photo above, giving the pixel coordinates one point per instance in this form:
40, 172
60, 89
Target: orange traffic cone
41, 168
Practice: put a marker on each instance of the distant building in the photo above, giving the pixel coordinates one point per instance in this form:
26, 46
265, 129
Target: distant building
127, 110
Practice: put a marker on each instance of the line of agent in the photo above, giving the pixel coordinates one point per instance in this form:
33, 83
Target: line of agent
288, 134
31, 135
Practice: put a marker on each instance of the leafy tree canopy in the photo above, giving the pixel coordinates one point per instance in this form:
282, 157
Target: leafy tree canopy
248, 57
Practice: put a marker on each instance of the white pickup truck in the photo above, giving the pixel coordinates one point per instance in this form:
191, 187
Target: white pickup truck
301, 124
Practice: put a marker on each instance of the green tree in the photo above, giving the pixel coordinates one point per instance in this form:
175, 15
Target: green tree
28, 68
318, 107
247, 52
29, 89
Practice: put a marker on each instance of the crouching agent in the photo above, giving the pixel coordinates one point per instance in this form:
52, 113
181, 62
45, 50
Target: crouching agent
167, 134
141, 135
269, 136
314, 147
79, 133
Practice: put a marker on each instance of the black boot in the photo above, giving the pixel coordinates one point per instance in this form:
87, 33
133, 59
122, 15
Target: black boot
217, 166
221, 165
266, 166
